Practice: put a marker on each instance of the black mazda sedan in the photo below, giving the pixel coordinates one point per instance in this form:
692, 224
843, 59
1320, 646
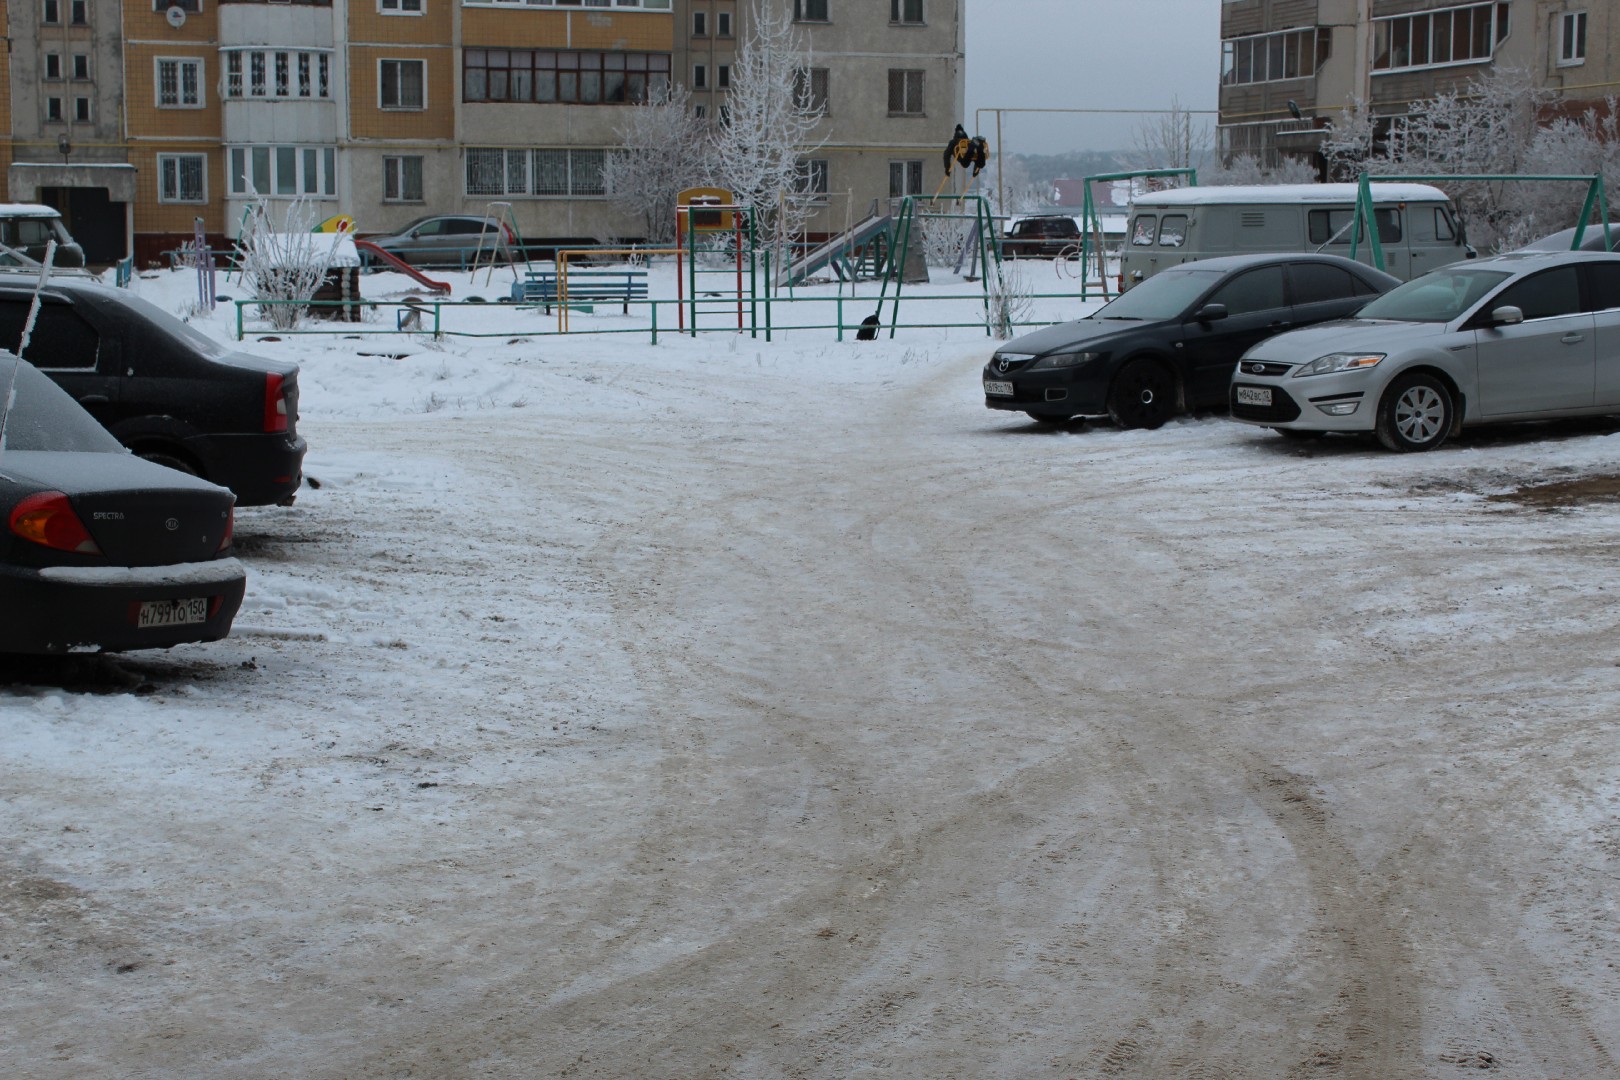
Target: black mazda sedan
1169, 345
102, 551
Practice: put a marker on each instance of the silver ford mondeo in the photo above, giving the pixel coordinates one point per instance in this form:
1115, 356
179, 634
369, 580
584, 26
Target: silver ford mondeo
1522, 336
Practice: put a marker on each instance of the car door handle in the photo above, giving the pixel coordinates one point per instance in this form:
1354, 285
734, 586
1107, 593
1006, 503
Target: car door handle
1572, 339
94, 399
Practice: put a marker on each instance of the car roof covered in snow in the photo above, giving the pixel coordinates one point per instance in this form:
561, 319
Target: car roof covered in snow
1287, 193
28, 210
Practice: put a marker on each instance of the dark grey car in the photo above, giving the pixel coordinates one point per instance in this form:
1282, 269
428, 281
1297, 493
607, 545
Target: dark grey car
448, 240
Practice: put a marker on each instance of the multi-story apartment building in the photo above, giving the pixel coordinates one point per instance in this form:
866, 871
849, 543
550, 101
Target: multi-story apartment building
141, 117
1289, 66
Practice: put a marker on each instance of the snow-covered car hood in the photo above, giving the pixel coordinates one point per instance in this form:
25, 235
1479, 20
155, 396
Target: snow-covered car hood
1066, 337
1344, 335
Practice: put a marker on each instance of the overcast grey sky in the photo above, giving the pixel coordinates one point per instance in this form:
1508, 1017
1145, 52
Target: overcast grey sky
1086, 54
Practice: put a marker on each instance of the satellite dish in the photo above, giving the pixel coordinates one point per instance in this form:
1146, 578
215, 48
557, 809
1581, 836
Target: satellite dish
176, 16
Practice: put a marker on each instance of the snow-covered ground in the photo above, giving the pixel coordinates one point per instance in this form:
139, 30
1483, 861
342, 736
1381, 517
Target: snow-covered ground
773, 709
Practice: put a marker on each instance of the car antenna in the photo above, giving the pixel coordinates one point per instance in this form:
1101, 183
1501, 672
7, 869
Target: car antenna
28, 332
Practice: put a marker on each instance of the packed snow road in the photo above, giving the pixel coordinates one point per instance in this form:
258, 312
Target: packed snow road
780, 712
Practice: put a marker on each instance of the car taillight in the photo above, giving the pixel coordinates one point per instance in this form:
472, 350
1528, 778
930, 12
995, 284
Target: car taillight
46, 517
230, 529
275, 403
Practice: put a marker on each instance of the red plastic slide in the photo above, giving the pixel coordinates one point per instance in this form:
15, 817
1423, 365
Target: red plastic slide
402, 266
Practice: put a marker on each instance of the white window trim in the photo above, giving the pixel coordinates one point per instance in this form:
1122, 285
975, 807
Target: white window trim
1565, 19
161, 158
661, 7
401, 60
400, 158
398, 9
157, 81
1495, 41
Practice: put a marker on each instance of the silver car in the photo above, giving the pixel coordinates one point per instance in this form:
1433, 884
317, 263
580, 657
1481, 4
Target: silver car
1528, 335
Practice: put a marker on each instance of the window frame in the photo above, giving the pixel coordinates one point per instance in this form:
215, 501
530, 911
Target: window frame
54, 113
722, 24
53, 58
247, 154
50, 12
180, 63
584, 166
909, 171
78, 12
904, 83
401, 7
258, 70
81, 61
399, 84
700, 24
561, 76
814, 179
700, 76
804, 11
898, 10
817, 81
395, 164
83, 110
1567, 56
164, 161
1391, 33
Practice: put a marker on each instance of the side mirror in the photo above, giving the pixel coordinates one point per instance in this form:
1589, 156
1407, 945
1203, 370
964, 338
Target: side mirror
1506, 315
1210, 312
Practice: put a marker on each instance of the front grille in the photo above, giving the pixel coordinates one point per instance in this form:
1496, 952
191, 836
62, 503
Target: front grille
1013, 363
1281, 410
1261, 367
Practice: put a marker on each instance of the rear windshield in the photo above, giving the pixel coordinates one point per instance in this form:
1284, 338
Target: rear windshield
1439, 296
173, 326
1162, 296
43, 416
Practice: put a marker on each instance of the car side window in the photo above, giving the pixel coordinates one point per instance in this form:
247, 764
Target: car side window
1315, 282
430, 228
61, 339
1143, 230
1603, 281
1545, 295
1256, 290
1173, 230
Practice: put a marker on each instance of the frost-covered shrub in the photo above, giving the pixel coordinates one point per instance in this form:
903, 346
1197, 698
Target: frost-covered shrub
1008, 300
282, 266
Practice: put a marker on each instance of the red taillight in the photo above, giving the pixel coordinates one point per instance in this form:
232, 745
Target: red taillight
275, 403
230, 529
47, 517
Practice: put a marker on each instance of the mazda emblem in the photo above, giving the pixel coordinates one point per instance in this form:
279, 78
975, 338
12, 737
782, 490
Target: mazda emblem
1002, 366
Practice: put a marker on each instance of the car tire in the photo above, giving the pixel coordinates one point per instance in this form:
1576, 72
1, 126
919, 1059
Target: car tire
1414, 414
1143, 395
170, 461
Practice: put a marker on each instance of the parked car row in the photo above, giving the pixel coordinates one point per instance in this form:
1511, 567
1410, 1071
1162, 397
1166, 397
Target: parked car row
129, 438
1310, 345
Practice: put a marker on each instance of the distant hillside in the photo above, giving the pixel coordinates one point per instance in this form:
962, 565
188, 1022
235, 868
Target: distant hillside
1044, 168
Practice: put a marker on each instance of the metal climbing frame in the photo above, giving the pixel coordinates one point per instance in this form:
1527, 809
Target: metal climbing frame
1091, 234
1366, 219
735, 223
983, 235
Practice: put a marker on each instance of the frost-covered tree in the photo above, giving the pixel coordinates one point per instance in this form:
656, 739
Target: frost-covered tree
665, 150
1248, 170
1350, 141
1174, 139
282, 264
770, 124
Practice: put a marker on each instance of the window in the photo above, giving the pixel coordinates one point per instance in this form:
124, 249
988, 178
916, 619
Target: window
53, 65
1258, 290
909, 12
1603, 280
179, 83
553, 75
53, 108
647, 5
700, 24
1460, 35
810, 86
1173, 230
810, 10
51, 13
1315, 283
813, 177
722, 24
1546, 295
1143, 229
700, 76
74, 342
280, 73
1293, 54
722, 76
400, 7
1333, 226
1571, 38
905, 93
285, 171
191, 6
182, 178
81, 108
402, 179
501, 171
79, 12
81, 66
404, 84
905, 178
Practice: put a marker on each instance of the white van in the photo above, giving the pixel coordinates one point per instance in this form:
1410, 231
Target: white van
1417, 226
28, 227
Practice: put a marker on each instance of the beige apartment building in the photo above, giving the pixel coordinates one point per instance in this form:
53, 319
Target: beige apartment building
1290, 66
142, 118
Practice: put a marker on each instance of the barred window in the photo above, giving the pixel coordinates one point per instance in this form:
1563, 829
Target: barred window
402, 179
179, 83
181, 178
905, 93
810, 84
905, 178
813, 176
277, 73
539, 172
562, 76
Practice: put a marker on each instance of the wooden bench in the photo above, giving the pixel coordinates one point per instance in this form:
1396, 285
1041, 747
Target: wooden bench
584, 286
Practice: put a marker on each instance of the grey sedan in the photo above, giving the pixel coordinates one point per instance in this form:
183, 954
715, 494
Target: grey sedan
1522, 336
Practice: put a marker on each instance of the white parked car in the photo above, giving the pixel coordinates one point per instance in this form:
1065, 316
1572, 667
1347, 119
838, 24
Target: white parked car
1529, 335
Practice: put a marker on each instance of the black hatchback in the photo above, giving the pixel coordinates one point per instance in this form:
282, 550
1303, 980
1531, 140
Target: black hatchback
166, 391
1170, 344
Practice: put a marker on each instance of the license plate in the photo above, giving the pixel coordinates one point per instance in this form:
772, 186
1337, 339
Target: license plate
998, 389
159, 613
1254, 395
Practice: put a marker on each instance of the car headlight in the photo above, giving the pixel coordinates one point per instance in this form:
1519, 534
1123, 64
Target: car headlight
1062, 360
1339, 361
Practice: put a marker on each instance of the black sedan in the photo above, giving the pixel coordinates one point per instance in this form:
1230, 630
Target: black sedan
1042, 238
102, 551
1169, 345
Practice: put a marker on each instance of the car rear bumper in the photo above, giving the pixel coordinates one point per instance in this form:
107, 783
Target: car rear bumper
90, 609
259, 469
